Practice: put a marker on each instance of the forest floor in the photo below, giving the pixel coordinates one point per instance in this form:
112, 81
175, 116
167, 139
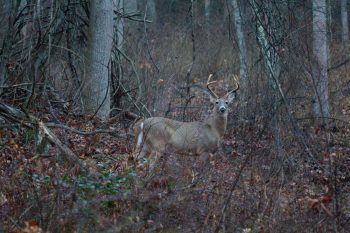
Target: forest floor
248, 189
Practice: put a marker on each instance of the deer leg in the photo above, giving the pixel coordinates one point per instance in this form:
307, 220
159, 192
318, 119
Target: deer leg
153, 160
203, 155
196, 170
140, 154
220, 148
202, 159
141, 151
161, 154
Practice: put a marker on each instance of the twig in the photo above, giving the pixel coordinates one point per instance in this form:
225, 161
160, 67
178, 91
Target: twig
338, 65
131, 17
228, 199
9, 126
99, 131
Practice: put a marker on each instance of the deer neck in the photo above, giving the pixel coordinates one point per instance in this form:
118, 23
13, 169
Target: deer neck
218, 122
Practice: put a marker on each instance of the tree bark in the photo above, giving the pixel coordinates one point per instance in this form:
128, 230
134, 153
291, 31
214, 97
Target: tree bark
7, 10
96, 98
151, 10
320, 52
243, 70
119, 25
344, 20
130, 6
207, 18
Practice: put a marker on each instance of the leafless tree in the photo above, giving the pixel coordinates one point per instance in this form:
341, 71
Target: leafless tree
320, 51
344, 20
96, 88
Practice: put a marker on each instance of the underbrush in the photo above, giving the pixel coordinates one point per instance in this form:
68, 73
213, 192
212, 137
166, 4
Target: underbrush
248, 189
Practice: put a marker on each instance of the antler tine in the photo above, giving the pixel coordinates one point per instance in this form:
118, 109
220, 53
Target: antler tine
209, 83
235, 78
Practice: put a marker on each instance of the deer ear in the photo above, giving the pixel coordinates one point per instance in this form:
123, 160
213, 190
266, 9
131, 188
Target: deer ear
212, 99
231, 96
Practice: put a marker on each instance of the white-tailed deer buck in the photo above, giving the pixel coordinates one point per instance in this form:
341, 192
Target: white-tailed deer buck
157, 135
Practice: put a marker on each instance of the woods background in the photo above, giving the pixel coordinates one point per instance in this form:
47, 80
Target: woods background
74, 76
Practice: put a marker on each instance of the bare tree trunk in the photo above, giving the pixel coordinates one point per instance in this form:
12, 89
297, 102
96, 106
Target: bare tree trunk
329, 17
151, 10
5, 32
320, 50
95, 93
243, 70
130, 6
194, 56
119, 25
118, 39
207, 18
344, 20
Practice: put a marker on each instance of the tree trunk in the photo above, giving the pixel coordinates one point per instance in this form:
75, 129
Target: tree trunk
118, 39
96, 98
151, 10
320, 51
207, 18
119, 26
344, 20
243, 70
130, 6
5, 33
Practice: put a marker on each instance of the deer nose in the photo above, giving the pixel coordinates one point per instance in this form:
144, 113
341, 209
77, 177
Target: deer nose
222, 109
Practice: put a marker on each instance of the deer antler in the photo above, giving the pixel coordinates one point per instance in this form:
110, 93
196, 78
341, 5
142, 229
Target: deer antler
209, 83
235, 78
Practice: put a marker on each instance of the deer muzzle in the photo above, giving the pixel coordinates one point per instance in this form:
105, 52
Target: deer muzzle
222, 109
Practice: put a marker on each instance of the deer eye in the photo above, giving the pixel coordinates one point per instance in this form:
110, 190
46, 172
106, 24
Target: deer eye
217, 102
226, 102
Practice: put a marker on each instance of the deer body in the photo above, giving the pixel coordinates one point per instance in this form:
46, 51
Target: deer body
163, 135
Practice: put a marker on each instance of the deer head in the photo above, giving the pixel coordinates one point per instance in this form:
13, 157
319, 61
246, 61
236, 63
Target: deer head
221, 104
218, 117
158, 134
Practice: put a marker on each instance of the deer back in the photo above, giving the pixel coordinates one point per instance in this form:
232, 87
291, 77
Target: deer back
195, 138
157, 132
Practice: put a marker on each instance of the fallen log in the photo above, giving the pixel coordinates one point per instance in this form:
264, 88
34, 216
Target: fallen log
27, 120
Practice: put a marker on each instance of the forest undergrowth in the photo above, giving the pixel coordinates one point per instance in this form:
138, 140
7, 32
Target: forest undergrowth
249, 188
